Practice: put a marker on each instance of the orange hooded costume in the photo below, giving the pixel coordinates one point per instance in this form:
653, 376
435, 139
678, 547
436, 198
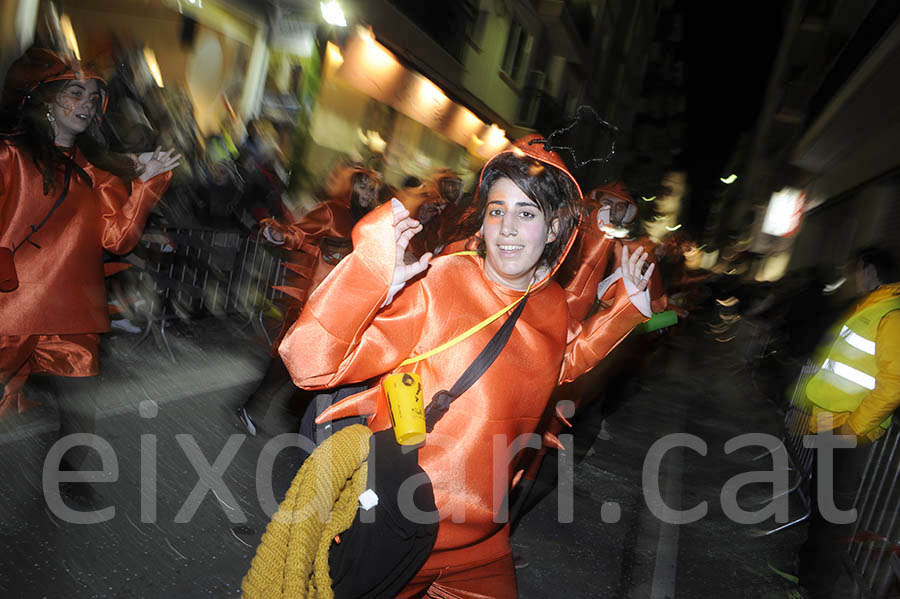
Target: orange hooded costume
49, 323
343, 336
318, 241
595, 249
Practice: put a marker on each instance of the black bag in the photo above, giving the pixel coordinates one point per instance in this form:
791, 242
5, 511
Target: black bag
378, 558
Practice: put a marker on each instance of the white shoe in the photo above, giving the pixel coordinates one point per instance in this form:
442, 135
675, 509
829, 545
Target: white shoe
123, 324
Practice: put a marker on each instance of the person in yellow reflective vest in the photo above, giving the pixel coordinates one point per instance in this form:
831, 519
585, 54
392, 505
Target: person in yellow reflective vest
854, 392
857, 386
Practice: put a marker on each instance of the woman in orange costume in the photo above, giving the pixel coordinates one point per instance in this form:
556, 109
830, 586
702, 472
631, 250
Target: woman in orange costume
365, 320
53, 306
317, 242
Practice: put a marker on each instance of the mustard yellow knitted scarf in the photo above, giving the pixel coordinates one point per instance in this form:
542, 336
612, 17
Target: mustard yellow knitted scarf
292, 558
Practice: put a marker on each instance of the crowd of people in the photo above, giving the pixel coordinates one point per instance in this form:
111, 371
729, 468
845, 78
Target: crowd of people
493, 299
402, 268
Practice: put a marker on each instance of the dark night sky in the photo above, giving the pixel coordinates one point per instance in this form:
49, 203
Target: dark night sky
730, 48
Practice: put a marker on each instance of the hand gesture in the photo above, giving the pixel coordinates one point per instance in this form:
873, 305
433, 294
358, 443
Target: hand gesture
636, 279
156, 162
404, 229
633, 267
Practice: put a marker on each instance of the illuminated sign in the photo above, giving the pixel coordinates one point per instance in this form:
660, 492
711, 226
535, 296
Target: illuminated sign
784, 212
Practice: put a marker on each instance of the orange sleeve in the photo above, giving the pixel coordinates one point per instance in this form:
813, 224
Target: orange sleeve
319, 222
343, 335
581, 291
592, 341
4, 168
885, 397
123, 216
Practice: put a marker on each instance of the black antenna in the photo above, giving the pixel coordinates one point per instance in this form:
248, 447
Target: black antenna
555, 141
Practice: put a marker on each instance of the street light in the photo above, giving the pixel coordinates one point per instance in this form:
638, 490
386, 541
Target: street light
332, 13
729, 179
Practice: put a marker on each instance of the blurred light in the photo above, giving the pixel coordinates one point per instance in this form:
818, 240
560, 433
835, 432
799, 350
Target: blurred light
725, 339
728, 302
650, 199
334, 54
430, 95
774, 267
150, 57
729, 179
377, 56
332, 13
376, 143
675, 228
615, 232
784, 212
832, 287
66, 25
372, 140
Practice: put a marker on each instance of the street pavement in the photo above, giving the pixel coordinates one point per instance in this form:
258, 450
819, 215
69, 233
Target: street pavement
171, 540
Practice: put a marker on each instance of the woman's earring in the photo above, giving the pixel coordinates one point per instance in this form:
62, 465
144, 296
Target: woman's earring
50, 118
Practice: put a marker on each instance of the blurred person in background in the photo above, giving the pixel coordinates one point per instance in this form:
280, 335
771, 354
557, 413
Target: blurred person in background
444, 229
422, 198
315, 245
261, 167
222, 184
126, 123
63, 200
854, 393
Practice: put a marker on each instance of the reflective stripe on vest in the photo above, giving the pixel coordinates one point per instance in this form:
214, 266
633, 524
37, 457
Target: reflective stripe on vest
857, 341
851, 374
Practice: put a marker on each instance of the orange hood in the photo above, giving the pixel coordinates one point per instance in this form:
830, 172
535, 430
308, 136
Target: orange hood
39, 66
531, 146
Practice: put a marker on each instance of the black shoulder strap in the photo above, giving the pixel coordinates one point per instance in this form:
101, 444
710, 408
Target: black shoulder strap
59, 200
441, 401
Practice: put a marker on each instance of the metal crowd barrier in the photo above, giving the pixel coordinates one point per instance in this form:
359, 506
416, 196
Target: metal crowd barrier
196, 272
872, 554
800, 458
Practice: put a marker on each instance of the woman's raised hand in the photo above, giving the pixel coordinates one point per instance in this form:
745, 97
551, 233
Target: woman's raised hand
636, 278
404, 228
632, 267
156, 162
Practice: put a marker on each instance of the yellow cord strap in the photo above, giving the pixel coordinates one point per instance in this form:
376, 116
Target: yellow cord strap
471, 331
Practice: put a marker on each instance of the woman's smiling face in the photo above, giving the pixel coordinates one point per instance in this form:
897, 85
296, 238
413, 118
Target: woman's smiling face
515, 233
75, 107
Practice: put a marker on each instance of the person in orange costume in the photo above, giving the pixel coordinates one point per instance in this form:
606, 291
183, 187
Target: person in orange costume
51, 317
375, 311
612, 215
316, 243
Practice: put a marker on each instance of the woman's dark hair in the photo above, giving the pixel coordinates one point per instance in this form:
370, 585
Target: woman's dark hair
550, 188
27, 127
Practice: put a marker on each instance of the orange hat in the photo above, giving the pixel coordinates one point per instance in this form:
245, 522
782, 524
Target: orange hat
339, 183
615, 189
39, 66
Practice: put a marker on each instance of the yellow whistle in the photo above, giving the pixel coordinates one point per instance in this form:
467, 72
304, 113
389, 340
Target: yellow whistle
404, 395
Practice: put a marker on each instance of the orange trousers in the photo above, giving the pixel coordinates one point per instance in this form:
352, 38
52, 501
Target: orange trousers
482, 571
23, 355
